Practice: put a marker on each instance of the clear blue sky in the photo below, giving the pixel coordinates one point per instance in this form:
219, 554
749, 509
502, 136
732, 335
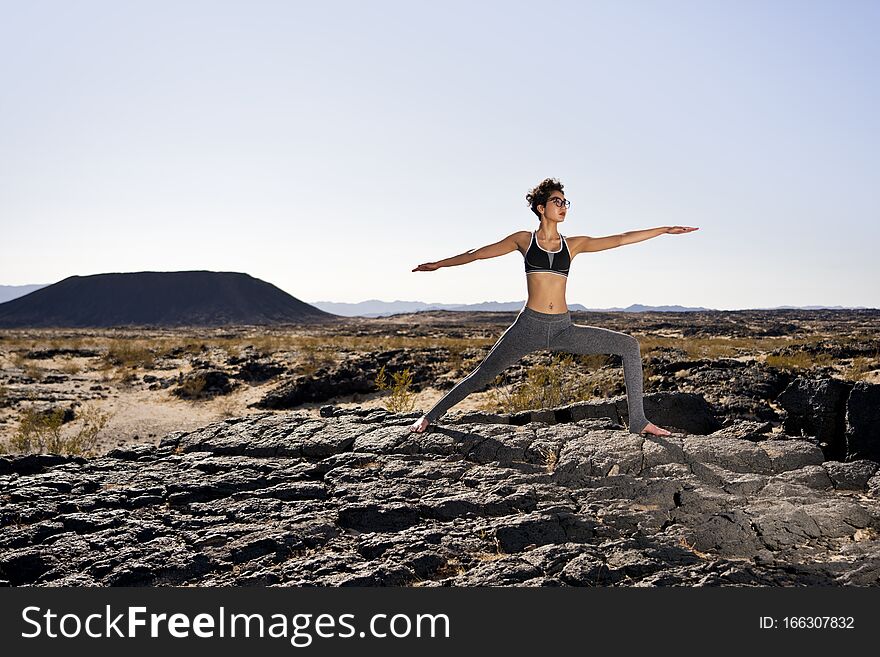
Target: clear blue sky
330, 147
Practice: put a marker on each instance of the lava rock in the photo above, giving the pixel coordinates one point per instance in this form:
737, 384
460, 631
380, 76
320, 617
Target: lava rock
686, 412
863, 422
355, 375
259, 370
46, 354
203, 383
817, 408
853, 475
355, 499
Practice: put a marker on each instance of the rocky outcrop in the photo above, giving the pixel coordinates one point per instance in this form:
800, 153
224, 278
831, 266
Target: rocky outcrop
835, 349
254, 366
325, 384
355, 374
843, 416
863, 422
203, 383
258, 370
685, 412
736, 389
356, 499
817, 408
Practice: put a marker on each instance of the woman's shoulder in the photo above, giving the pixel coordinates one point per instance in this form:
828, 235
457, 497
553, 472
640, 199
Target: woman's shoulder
522, 237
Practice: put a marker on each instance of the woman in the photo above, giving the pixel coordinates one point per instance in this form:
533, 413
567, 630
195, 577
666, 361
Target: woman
545, 322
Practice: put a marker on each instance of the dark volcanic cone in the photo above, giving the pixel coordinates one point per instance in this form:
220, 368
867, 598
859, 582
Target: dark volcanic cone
180, 298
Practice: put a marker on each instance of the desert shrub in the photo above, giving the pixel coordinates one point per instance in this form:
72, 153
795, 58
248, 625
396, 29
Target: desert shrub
130, 353
34, 371
226, 407
71, 367
191, 387
312, 358
126, 377
344, 342
604, 383
193, 348
30, 369
271, 344
550, 454
456, 359
400, 399
858, 370
715, 347
44, 433
545, 387
799, 360
231, 349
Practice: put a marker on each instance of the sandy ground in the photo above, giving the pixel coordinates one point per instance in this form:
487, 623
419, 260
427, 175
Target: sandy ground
139, 415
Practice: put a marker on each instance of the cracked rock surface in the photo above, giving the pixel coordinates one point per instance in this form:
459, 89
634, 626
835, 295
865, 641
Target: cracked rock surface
356, 499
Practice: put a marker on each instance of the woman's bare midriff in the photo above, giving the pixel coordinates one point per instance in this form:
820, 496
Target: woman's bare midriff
546, 292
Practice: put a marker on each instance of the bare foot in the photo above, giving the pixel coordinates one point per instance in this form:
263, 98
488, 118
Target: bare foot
419, 425
654, 430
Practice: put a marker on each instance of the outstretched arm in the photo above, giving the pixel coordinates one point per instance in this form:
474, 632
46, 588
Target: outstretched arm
587, 244
499, 248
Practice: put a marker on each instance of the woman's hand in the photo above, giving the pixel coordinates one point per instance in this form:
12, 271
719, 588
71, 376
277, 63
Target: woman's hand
677, 230
427, 266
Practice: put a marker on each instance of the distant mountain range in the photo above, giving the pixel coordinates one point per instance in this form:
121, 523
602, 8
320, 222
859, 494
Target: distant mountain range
180, 298
10, 292
377, 308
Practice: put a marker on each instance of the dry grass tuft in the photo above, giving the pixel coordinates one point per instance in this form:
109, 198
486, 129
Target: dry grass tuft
550, 455
682, 541
312, 358
799, 361
860, 368
130, 354
71, 367
545, 387
400, 399
192, 387
44, 433
452, 568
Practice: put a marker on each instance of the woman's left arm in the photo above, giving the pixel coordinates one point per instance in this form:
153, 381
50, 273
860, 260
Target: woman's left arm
584, 244
632, 236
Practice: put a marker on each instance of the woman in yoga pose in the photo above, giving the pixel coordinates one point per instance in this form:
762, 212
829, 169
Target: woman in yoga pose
545, 322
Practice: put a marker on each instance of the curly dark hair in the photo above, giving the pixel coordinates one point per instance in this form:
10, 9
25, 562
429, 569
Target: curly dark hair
540, 194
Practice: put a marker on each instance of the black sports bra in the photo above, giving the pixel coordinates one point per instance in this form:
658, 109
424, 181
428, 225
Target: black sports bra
538, 260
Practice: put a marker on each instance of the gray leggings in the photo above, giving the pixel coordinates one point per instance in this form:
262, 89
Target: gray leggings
533, 331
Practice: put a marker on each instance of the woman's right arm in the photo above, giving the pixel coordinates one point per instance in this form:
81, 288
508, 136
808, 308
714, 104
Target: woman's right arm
500, 248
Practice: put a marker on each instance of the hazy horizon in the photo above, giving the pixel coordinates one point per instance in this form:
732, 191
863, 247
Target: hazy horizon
325, 304
329, 148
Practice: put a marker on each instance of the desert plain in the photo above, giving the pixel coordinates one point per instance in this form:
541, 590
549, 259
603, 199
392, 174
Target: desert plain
148, 382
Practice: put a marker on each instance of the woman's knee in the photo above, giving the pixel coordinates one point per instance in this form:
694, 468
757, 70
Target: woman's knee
491, 367
629, 345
